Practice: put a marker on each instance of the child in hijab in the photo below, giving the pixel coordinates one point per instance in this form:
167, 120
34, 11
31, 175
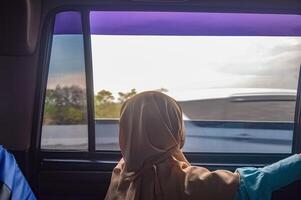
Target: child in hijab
153, 166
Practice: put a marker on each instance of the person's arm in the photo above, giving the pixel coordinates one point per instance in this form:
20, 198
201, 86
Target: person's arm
12, 177
259, 183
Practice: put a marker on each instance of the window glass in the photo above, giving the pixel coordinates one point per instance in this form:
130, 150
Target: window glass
65, 109
234, 75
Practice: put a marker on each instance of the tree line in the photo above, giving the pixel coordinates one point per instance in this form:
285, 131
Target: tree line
67, 105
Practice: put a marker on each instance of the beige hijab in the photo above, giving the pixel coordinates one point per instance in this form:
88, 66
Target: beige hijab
153, 166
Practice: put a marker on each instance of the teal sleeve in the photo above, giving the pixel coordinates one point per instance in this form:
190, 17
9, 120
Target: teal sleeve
259, 183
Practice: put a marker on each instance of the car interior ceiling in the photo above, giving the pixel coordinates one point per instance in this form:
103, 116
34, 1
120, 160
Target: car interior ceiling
22, 47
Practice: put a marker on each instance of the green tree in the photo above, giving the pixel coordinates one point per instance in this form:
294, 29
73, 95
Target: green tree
104, 97
65, 105
76, 96
125, 96
105, 107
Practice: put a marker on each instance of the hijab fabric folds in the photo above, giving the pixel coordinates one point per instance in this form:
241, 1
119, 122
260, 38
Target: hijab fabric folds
151, 137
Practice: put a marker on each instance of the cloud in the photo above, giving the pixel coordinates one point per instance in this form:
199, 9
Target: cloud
285, 48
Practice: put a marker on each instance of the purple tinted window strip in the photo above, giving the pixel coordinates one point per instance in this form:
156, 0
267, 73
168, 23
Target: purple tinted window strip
182, 23
68, 23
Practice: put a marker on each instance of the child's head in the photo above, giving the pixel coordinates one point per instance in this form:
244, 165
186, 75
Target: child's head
153, 165
151, 125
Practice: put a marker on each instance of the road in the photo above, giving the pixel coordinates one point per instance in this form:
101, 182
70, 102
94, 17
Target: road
200, 137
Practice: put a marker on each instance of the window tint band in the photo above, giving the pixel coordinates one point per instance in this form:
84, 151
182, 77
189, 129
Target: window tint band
193, 23
89, 80
172, 23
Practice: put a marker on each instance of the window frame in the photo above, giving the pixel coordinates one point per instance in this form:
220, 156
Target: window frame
108, 159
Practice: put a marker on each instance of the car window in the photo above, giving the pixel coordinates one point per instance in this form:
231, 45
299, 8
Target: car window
236, 83
65, 108
234, 75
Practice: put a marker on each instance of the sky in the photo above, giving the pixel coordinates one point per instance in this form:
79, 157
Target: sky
187, 66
